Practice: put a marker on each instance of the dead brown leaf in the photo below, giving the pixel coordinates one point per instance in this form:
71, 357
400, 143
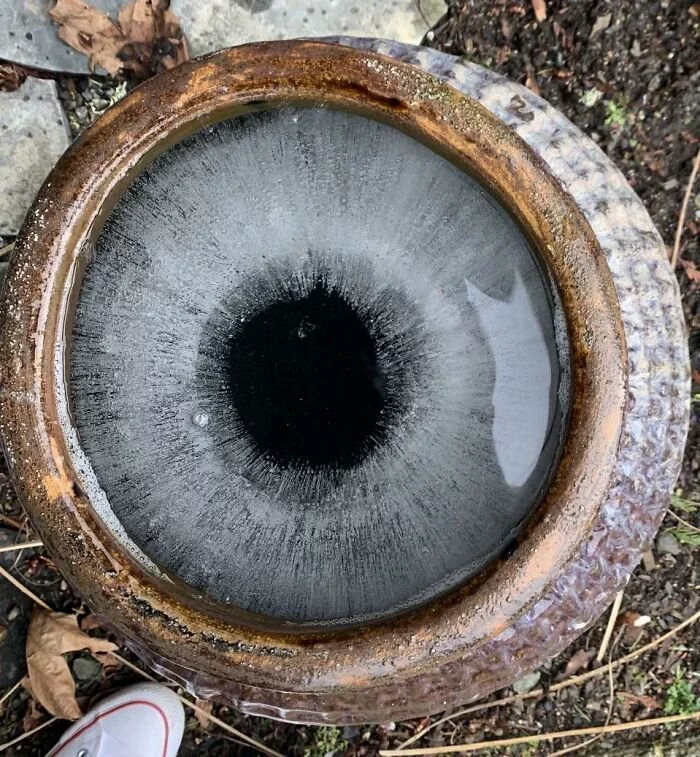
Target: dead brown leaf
154, 38
107, 660
146, 38
89, 622
531, 81
51, 635
33, 716
635, 619
579, 661
655, 162
90, 32
690, 269
202, 719
12, 77
646, 701
540, 8
633, 624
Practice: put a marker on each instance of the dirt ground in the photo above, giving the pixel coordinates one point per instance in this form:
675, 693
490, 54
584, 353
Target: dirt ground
626, 72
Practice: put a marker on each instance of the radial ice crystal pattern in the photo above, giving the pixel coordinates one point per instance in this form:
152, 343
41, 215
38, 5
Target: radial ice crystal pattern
316, 368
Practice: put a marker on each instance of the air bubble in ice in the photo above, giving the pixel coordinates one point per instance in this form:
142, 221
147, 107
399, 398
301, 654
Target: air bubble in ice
201, 419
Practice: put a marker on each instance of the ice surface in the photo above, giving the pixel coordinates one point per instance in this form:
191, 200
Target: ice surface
265, 209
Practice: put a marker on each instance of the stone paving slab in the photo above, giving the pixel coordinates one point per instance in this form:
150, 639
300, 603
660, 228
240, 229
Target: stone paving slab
222, 23
28, 37
33, 134
33, 127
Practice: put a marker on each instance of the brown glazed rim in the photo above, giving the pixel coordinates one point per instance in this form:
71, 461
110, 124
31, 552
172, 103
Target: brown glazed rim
169, 617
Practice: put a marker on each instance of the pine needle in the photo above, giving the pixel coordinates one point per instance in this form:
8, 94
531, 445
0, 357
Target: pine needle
575, 680
610, 627
188, 703
9, 577
536, 738
684, 210
9, 693
25, 545
26, 735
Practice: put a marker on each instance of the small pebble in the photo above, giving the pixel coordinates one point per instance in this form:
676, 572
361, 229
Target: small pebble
601, 24
81, 112
527, 682
667, 544
86, 668
654, 83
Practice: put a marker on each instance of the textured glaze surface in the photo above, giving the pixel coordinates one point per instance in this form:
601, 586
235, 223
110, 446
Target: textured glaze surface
616, 471
456, 313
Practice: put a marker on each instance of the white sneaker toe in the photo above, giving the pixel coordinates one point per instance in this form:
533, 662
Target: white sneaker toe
145, 720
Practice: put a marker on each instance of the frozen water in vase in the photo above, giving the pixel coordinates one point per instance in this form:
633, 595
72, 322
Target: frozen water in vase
316, 368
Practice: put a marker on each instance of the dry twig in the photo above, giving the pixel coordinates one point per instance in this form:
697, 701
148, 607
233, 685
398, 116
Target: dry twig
226, 727
24, 545
557, 686
588, 742
9, 693
610, 627
11, 522
684, 210
683, 522
9, 577
540, 9
537, 737
26, 735
7, 249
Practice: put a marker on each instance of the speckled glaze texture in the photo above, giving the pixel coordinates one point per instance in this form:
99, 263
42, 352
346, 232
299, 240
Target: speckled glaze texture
656, 415
626, 434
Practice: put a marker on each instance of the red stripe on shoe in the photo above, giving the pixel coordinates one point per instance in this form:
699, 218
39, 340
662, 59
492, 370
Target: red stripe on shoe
115, 709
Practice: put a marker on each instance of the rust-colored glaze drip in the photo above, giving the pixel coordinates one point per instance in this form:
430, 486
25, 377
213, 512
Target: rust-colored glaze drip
293, 668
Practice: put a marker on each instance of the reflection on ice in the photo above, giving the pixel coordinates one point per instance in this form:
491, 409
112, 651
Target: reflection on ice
521, 401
